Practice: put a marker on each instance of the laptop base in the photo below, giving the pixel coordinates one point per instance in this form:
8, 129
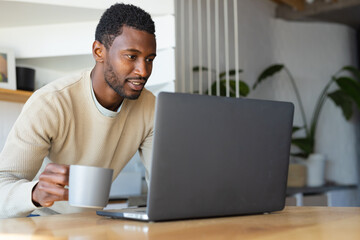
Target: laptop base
135, 213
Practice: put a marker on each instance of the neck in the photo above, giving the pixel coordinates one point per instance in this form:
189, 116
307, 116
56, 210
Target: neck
105, 95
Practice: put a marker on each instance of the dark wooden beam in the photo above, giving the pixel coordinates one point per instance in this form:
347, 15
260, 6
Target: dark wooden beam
297, 5
340, 11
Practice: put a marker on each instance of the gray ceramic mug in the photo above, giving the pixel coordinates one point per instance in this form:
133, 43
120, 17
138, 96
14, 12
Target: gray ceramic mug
89, 186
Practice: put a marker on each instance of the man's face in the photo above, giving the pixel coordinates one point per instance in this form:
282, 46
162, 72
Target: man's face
129, 62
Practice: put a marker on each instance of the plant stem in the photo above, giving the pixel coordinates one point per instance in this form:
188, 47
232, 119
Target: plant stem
298, 99
318, 108
320, 103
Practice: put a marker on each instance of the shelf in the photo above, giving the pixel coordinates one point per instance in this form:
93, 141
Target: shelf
19, 96
318, 190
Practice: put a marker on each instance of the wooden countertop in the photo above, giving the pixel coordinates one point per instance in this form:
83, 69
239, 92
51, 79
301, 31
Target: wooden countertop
292, 223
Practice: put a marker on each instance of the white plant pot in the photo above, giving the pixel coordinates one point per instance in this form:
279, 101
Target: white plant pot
315, 170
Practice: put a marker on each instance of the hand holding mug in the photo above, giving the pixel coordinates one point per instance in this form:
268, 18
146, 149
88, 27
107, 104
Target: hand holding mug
51, 185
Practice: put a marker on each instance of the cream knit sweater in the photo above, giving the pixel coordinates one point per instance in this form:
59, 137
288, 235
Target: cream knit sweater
60, 122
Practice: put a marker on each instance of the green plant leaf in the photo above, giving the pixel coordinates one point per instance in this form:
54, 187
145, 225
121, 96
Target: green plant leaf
351, 88
268, 72
296, 128
244, 88
305, 144
342, 100
231, 73
353, 70
197, 68
222, 88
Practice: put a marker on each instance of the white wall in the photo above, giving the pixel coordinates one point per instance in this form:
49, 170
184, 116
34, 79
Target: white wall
312, 52
8, 114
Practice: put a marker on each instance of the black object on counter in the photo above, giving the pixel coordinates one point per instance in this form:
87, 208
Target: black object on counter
25, 78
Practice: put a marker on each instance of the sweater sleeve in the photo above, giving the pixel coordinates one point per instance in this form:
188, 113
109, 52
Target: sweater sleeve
145, 153
145, 149
27, 144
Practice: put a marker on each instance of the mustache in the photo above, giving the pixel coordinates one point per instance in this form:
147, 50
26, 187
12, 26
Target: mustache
138, 78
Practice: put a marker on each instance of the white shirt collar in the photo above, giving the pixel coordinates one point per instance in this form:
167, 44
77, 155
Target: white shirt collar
104, 111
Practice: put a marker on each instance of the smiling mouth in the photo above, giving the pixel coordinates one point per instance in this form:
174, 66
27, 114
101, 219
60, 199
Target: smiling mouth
136, 85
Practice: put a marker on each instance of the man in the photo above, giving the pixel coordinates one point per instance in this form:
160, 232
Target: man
98, 118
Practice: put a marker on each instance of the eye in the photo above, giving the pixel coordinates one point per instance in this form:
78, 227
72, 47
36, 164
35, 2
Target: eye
149, 59
131, 57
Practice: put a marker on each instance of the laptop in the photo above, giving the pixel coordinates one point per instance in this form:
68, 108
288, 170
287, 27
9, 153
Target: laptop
215, 157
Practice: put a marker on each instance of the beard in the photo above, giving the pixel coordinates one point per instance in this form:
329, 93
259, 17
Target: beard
112, 80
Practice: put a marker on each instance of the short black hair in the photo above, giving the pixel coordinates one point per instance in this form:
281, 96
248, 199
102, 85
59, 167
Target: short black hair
118, 15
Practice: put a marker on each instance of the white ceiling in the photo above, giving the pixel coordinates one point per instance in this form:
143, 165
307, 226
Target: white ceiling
152, 6
15, 13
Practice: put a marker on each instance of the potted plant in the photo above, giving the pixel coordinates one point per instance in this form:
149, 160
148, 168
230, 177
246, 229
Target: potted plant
345, 96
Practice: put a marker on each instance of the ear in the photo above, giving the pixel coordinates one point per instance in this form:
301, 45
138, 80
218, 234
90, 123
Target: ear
98, 51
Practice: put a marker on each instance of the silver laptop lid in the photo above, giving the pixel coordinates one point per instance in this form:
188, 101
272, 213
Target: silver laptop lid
217, 156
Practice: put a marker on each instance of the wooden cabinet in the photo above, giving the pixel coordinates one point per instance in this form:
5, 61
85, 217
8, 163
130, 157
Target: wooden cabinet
14, 95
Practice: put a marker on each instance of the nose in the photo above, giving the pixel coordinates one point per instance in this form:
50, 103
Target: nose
143, 69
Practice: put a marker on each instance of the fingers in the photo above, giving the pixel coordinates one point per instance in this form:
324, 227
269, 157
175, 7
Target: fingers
57, 173
54, 178
58, 168
58, 192
50, 187
46, 194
